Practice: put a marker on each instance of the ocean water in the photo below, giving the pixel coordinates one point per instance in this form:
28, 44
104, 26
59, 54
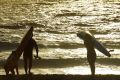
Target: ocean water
56, 23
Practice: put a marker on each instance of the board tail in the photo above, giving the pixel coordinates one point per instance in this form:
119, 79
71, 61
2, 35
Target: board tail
101, 48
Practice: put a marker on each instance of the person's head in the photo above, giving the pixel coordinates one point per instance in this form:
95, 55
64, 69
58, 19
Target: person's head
83, 34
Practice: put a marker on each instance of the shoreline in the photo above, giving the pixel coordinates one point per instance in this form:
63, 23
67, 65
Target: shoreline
59, 77
70, 66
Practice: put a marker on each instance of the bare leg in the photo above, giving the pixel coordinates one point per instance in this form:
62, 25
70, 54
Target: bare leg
92, 67
17, 69
13, 72
30, 64
6, 70
25, 65
91, 59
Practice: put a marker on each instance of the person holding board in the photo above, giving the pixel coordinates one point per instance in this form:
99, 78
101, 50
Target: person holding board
91, 43
28, 55
26, 47
12, 61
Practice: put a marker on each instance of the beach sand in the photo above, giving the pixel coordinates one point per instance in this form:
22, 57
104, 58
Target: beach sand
60, 77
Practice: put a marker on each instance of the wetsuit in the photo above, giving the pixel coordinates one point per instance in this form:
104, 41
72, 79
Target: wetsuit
28, 56
91, 54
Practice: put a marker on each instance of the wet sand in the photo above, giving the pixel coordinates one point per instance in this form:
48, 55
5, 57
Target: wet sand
76, 66
60, 77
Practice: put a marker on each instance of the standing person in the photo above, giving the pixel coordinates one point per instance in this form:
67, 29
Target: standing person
28, 55
91, 54
90, 43
12, 60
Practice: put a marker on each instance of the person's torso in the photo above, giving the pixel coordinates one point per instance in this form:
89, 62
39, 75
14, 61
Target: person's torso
29, 47
89, 44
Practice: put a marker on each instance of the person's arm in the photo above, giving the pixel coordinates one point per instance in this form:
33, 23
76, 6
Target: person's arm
36, 47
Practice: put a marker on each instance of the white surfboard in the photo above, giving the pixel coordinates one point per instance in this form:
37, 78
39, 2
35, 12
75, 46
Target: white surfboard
97, 44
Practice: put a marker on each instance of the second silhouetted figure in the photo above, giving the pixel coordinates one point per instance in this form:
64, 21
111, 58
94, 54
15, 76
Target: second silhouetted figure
90, 43
91, 54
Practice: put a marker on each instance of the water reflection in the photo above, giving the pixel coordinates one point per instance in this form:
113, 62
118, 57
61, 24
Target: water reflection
56, 23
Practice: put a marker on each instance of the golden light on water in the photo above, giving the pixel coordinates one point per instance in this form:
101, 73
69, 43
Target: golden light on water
56, 23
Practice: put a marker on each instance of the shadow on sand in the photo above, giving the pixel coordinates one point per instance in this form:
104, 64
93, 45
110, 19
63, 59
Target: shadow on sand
62, 63
60, 77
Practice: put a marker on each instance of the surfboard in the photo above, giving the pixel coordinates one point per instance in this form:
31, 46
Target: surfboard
24, 42
97, 44
12, 60
101, 48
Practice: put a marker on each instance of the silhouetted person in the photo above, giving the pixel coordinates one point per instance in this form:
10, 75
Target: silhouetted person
28, 55
90, 44
91, 54
11, 64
